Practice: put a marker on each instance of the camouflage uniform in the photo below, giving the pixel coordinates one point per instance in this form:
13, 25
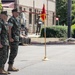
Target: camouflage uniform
4, 42
15, 33
39, 22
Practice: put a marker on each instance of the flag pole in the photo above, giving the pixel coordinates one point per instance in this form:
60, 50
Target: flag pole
45, 57
43, 17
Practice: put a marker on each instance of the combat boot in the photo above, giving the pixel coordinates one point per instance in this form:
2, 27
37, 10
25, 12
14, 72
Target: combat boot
2, 71
5, 71
11, 68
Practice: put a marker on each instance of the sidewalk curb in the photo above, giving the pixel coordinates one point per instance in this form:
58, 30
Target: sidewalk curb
53, 43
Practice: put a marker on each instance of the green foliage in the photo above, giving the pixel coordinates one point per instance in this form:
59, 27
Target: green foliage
55, 31
73, 30
61, 11
73, 13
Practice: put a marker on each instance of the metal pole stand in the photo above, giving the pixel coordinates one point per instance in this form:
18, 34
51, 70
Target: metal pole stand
45, 59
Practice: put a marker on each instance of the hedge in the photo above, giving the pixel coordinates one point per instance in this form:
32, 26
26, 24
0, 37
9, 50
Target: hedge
55, 31
73, 30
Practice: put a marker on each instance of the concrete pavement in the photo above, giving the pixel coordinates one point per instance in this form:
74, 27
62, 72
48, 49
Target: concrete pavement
61, 60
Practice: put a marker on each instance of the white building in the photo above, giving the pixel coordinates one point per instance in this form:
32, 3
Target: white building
34, 7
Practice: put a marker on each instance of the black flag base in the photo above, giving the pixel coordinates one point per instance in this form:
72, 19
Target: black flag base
45, 59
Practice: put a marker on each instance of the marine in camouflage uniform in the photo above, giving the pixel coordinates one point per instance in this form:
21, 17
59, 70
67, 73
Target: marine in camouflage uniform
14, 33
39, 23
3, 41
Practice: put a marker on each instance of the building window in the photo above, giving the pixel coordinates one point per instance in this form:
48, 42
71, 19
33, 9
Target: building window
35, 17
24, 9
20, 8
37, 10
53, 18
37, 14
30, 16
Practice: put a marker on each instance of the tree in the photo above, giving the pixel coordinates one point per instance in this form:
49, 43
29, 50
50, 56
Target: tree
73, 12
61, 11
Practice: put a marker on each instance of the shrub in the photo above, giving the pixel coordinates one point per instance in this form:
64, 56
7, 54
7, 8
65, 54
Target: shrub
55, 31
73, 30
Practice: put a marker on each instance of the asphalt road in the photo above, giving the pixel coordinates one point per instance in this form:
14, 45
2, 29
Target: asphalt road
61, 60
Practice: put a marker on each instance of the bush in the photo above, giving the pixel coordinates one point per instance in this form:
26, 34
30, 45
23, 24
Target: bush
55, 31
73, 30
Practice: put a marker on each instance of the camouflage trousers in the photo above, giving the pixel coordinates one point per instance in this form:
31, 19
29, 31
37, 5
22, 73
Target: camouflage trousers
3, 56
13, 51
38, 29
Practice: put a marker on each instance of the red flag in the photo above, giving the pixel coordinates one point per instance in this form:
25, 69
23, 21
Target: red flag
43, 13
